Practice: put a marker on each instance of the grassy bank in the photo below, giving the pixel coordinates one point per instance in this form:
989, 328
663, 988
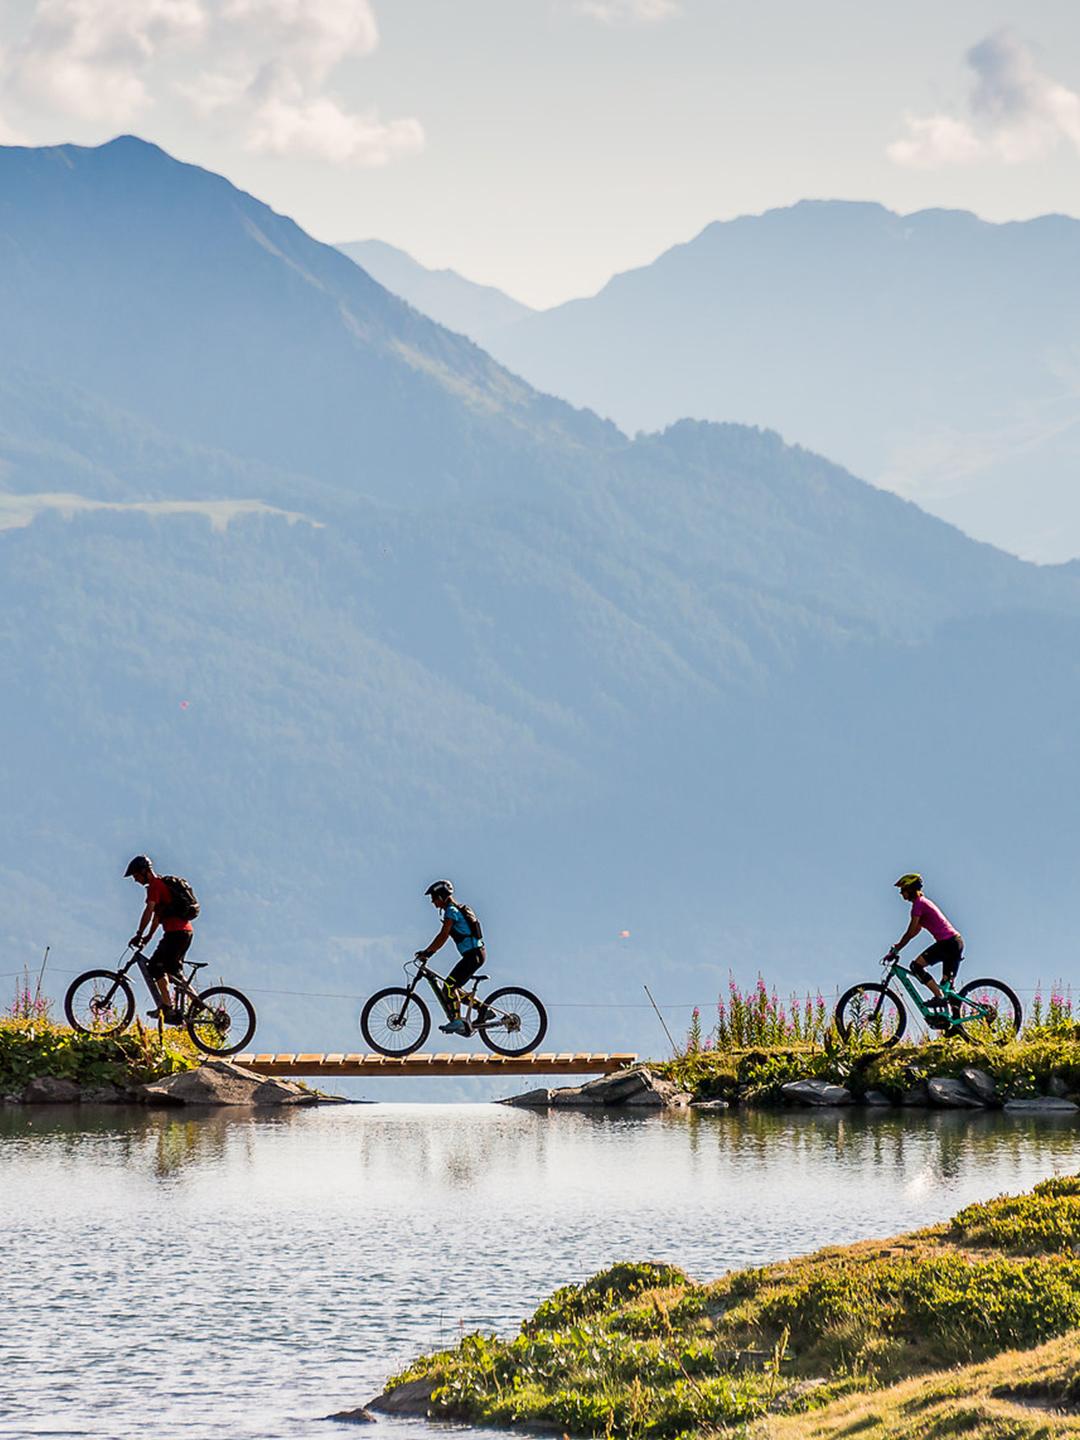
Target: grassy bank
33, 1048
1037, 1064
641, 1350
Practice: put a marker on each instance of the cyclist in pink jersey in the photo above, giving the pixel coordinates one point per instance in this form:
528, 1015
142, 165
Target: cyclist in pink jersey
948, 944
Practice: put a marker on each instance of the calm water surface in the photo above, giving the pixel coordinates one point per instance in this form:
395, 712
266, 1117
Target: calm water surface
240, 1277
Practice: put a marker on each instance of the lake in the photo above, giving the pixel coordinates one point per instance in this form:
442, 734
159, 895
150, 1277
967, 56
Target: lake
239, 1276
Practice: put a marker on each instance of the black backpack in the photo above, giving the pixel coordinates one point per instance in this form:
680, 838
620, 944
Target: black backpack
471, 920
183, 904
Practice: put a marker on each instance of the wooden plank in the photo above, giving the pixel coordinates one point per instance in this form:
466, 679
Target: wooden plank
592, 1062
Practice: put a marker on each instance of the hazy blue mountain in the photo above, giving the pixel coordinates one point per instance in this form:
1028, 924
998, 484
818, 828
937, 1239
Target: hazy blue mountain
935, 354
478, 311
339, 606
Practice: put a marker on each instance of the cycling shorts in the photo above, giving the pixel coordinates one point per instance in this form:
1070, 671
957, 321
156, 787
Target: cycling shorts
169, 955
948, 952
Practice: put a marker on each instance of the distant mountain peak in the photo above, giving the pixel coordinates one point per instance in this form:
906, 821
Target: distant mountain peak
478, 311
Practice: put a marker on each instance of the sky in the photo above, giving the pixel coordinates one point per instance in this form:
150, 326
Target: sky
543, 145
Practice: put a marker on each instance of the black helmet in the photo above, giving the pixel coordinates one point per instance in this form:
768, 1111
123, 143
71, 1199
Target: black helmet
137, 866
440, 888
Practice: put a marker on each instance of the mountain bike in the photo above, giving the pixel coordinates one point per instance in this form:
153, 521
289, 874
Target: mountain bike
219, 1020
985, 1012
396, 1021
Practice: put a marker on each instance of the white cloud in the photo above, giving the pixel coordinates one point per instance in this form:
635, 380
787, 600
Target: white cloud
88, 57
286, 121
261, 67
630, 12
1016, 112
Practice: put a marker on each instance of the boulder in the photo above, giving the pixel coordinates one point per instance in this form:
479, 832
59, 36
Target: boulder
660, 1095
1041, 1104
616, 1089
105, 1095
916, 1094
952, 1094
569, 1096
709, 1105
412, 1398
51, 1090
980, 1084
876, 1097
816, 1092
1058, 1087
220, 1082
359, 1416
531, 1100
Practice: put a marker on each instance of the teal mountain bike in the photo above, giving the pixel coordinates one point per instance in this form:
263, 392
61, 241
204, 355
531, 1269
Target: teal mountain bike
985, 1012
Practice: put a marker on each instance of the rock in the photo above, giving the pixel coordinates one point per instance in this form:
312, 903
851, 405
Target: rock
616, 1089
359, 1416
412, 1398
646, 1100
980, 1083
220, 1082
105, 1095
709, 1105
1041, 1104
51, 1090
533, 1099
952, 1094
916, 1094
876, 1097
816, 1092
568, 1096
10, 1099
1058, 1087
660, 1095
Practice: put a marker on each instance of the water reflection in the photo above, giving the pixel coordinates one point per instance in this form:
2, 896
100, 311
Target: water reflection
276, 1267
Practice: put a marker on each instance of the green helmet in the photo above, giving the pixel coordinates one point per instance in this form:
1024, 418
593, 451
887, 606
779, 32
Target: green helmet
907, 880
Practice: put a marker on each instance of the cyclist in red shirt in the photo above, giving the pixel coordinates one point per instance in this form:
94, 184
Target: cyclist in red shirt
176, 938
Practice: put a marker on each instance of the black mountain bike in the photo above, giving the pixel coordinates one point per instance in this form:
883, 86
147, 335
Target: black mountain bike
396, 1021
220, 1020
984, 1011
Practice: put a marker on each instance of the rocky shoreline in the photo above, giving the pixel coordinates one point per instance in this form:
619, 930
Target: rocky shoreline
213, 1083
640, 1088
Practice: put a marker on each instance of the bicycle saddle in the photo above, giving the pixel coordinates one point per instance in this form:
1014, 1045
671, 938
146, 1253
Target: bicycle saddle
198, 964
478, 978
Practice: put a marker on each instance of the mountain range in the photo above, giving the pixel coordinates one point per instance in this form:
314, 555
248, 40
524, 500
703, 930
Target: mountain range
478, 311
934, 354
311, 599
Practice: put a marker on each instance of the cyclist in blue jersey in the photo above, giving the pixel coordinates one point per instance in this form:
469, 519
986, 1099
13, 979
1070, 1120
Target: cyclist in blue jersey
459, 924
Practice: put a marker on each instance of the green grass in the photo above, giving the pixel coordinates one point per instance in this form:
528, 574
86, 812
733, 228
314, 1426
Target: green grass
32, 1048
641, 1350
1021, 1069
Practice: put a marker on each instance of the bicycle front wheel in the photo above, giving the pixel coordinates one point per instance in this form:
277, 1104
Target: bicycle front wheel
990, 1011
221, 1021
511, 1021
100, 1002
871, 1013
393, 1022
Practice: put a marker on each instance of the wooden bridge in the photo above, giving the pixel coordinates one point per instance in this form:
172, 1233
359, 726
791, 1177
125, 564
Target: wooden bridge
460, 1064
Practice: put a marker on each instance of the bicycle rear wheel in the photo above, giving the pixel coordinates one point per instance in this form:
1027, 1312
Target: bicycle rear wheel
514, 1021
393, 1022
221, 1021
998, 1016
99, 1002
871, 1013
